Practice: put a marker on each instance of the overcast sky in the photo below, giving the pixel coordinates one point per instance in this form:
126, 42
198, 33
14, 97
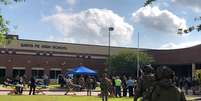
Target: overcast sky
87, 22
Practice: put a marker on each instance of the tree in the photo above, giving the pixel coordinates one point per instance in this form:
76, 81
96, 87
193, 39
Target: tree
192, 28
126, 62
4, 23
148, 2
181, 30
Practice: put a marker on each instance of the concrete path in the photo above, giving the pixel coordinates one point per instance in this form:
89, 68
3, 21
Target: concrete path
54, 93
61, 93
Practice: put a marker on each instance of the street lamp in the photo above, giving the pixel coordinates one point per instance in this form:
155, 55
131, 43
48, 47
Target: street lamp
138, 57
109, 30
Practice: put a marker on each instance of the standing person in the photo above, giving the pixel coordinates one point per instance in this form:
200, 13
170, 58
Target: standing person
181, 83
21, 84
17, 85
110, 86
82, 82
61, 80
89, 85
195, 85
113, 86
164, 88
94, 83
144, 82
124, 86
130, 85
186, 85
46, 80
104, 87
118, 83
68, 85
32, 83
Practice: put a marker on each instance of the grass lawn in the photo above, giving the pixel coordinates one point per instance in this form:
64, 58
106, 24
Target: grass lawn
63, 98
58, 98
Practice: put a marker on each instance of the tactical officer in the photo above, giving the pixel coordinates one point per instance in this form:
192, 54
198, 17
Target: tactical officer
104, 87
144, 82
164, 89
89, 85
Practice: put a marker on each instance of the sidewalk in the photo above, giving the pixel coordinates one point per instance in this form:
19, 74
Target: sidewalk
45, 92
60, 92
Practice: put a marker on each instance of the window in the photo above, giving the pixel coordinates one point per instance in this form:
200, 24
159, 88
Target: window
2, 73
37, 73
54, 72
18, 72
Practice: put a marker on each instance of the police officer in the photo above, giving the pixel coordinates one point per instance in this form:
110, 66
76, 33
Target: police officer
164, 88
104, 87
89, 85
144, 82
32, 84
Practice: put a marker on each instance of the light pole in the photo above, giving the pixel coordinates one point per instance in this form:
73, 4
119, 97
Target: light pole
109, 46
138, 57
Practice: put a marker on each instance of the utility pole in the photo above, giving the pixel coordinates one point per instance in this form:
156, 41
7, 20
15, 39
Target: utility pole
138, 57
109, 46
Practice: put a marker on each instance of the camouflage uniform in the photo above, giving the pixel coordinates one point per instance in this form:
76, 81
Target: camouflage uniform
110, 87
163, 89
144, 82
104, 88
89, 85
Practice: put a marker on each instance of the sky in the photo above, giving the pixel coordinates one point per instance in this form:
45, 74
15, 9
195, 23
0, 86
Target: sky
87, 22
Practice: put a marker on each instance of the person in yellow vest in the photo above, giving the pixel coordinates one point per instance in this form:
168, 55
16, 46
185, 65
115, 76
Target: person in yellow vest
118, 86
139, 99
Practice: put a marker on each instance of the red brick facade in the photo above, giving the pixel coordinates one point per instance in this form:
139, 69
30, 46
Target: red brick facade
47, 62
88, 55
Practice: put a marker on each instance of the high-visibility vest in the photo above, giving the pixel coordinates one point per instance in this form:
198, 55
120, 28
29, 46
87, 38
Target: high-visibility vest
139, 99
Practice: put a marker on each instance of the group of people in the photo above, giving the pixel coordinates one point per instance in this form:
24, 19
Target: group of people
158, 84
125, 83
189, 83
78, 83
112, 86
19, 83
152, 85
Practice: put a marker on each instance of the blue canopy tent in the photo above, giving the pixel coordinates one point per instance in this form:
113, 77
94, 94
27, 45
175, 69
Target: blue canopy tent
82, 70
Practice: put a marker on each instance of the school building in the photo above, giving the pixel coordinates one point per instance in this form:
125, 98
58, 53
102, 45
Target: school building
36, 58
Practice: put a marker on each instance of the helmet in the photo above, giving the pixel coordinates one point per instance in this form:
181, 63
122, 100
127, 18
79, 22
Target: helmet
147, 69
164, 72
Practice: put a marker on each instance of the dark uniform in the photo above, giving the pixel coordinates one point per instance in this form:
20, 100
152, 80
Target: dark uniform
144, 82
124, 86
32, 85
164, 89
